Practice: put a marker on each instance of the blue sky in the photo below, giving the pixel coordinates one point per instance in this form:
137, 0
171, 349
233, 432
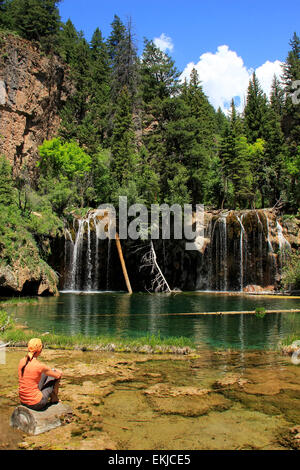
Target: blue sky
257, 32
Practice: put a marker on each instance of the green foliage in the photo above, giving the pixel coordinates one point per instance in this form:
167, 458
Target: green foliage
6, 322
177, 186
123, 149
260, 312
291, 272
54, 341
66, 159
131, 127
37, 20
6, 183
255, 111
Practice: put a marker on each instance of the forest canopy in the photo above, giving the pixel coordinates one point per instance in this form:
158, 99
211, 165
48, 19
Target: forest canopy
132, 127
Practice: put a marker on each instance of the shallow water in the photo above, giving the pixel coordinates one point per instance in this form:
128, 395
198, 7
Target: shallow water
212, 400
120, 314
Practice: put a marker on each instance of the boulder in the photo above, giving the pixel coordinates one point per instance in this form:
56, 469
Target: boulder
37, 422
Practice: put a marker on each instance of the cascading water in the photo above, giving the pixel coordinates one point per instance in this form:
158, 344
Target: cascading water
240, 251
221, 254
260, 248
89, 257
284, 245
271, 255
76, 249
242, 256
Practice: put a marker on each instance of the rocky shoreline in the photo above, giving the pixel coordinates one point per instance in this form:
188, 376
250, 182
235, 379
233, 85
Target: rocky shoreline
195, 401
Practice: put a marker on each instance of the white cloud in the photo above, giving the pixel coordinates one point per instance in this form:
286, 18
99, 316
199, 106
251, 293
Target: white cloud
224, 76
265, 74
164, 43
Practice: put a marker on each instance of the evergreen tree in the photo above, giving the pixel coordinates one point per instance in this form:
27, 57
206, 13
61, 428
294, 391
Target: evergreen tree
5, 15
200, 145
6, 183
277, 97
255, 111
158, 74
99, 102
236, 165
116, 37
123, 53
74, 111
242, 177
37, 20
221, 121
274, 177
123, 147
68, 43
291, 119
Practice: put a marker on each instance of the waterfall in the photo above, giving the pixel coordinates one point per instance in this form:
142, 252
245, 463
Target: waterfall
209, 235
98, 230
284, 245
76, 249
260, 244
242, 237
238, 251
96, 278
271, 255
221, 254
224, 252
68, 253
89, 257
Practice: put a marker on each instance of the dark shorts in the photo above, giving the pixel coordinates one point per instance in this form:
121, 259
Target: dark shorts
46, 386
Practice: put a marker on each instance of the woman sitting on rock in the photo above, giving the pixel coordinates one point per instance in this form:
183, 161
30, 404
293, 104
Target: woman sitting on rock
37, 382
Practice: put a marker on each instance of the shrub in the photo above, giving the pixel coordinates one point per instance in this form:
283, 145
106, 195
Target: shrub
6, 321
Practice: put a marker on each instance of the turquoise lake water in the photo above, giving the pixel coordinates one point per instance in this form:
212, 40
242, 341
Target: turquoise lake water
137, 315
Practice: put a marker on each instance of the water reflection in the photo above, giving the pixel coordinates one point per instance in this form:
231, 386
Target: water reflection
141, 314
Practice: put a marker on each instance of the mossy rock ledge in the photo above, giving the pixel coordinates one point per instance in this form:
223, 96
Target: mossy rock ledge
21, 280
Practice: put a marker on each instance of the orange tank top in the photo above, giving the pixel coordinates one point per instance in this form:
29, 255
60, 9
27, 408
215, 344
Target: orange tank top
29, 392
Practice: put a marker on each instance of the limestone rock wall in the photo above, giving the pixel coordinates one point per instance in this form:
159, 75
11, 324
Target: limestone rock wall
33, 89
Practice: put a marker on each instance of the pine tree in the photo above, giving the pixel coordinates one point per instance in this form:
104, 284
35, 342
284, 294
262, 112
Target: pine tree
277, 97
221, 121
100, 89
275, 147
199, 148
68, 43
116, 37
235, 162
5, 15
75, 110
37, 20
158, 73
291, 119
255, 111
6, 183
123, 148
123, 53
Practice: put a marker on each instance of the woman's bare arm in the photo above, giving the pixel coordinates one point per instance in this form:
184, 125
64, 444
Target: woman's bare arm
56, 373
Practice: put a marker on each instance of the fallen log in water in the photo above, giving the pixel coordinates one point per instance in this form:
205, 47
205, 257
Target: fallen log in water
36, 422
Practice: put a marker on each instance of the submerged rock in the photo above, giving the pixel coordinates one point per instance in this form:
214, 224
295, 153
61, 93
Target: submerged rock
230, 380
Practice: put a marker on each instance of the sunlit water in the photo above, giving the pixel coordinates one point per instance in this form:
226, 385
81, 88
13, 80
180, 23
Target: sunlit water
115, 313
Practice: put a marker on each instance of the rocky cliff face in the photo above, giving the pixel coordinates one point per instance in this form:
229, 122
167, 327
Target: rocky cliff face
33, 89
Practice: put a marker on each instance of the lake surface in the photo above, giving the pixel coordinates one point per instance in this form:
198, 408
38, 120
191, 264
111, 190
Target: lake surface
117, 313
